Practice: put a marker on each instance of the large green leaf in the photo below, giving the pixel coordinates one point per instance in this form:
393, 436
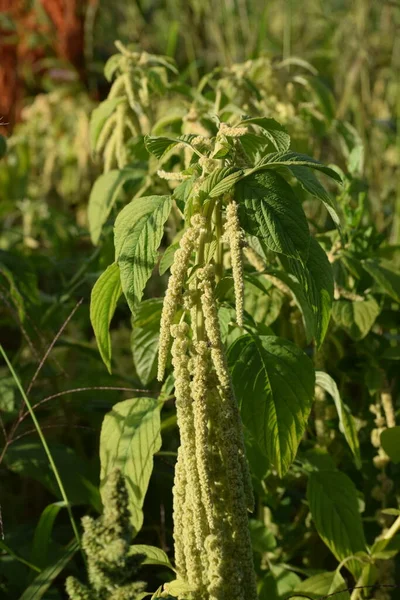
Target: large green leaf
323, 585
160, 146
103, 197
272, 130
103, 302
334, 508
346, 419
316, 279
274, 383
139, 228
276, 160
390, 440
130, 435
218, 182
43, 581
357, 317
269, 209
386, 276
154, 555
144, 341
310, 183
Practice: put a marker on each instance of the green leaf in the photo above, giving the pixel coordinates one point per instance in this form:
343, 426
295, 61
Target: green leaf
103, 197
43, 581
334, 508
276, 160
218, 182
99, 117
316, 279
274, 383
130, 436
269, 210
323, 585
42, 535
390, 440
139, 228
394, 512
167, 258
275, 132
356, 318
111, 66
262, 539
154, 556
144, 341
385, 275
103, 302
310, 183
177, 588
346, 419
160, 146
264, 305
268, 589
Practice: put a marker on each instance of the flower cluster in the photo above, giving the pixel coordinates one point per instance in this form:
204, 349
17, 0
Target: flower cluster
106, 542
212, 489
234, 237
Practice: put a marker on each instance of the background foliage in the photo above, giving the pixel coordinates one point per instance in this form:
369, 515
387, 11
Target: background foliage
330, 73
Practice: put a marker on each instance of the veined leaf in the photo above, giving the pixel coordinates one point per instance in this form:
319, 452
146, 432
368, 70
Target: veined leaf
273, 130
160, 146
269, 210
43, 581
385, 276
139, 228
346, 420
292, 159
316, 279
103, 197
99, 117
390, 440
219, 182
144, 340
154, 556
334, 509
310, 183
103, 302
323, 585
274, 383
356, 318
130, 436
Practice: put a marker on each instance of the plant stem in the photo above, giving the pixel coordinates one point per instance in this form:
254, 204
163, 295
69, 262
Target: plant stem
45, 447
199, 312
218, 233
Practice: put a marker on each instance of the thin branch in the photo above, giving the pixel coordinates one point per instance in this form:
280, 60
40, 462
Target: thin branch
50, 348
48, 427
82, 389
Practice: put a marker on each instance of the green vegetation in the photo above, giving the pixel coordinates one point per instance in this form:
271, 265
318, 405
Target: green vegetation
200, 286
